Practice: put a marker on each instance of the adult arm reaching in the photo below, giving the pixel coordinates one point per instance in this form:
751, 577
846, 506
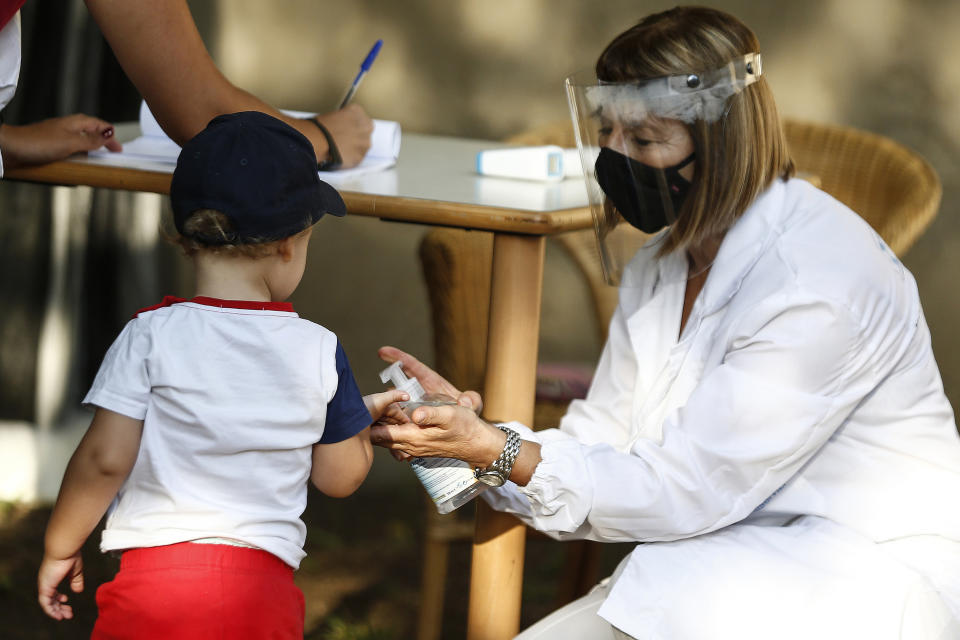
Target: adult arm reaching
160, 50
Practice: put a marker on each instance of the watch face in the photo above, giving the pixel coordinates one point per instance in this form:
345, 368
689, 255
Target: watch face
492, 478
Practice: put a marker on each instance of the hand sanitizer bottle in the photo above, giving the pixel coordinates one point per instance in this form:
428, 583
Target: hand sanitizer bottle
450, 483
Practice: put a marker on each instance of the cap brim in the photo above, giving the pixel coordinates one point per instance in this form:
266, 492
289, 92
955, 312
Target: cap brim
331, 201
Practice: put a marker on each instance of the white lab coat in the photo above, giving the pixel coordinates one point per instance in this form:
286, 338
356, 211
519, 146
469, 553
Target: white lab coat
798, 421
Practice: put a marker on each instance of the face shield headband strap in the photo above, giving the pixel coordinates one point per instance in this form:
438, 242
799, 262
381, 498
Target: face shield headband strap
738, 74
687, 97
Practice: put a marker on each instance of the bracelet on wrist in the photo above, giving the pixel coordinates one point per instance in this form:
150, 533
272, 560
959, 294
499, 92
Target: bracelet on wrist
334, 160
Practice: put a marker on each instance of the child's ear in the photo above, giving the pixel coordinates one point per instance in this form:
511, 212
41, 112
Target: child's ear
285, 249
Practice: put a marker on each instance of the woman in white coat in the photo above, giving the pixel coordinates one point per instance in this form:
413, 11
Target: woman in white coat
767, 411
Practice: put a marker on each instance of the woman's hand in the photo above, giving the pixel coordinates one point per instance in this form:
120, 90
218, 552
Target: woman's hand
350, 129
54, 139
53, 571
430, 380
448, 431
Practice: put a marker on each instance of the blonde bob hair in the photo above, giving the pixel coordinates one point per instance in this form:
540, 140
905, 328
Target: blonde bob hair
739, 155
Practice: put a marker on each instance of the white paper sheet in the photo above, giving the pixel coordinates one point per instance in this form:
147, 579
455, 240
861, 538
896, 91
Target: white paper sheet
154, 145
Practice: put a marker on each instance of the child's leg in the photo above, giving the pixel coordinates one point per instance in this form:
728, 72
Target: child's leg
200, 591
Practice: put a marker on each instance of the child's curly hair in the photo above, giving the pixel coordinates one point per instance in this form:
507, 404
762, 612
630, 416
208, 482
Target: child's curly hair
211, 230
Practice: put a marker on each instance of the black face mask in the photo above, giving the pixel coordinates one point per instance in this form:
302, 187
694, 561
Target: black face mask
635, 188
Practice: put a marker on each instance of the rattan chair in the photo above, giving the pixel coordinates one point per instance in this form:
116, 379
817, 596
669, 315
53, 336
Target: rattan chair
893, 188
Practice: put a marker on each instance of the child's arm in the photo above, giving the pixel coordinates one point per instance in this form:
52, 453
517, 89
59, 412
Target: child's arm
339, 468
99, 466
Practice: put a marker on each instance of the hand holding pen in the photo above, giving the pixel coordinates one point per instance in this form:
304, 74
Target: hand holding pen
364, 67
347, 130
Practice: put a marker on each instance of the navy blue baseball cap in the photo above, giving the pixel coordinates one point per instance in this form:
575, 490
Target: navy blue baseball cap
258, 171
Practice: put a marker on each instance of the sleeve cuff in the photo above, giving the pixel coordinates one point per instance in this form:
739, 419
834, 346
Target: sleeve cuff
557, 499
118, 404
560, 492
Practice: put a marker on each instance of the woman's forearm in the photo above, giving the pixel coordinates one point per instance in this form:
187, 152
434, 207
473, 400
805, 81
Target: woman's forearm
161, 51
526, 463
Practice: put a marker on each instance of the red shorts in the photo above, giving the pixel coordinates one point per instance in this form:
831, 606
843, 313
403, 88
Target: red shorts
202, 591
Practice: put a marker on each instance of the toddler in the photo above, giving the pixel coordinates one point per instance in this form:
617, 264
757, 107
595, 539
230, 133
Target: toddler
213, 413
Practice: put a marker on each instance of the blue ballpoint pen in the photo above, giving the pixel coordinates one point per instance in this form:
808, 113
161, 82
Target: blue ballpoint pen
367, 63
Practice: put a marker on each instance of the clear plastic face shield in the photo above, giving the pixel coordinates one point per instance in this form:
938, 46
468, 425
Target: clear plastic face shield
637, 152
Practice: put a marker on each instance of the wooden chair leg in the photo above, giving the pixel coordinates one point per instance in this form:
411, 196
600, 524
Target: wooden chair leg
433, 582
441, 531
581, 567
589, 573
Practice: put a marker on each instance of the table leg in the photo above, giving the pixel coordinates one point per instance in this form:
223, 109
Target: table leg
497, 569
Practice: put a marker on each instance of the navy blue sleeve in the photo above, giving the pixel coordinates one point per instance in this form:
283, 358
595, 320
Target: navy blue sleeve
346, 413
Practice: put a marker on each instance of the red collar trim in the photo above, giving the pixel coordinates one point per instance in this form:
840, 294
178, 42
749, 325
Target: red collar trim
252, 305
8, 9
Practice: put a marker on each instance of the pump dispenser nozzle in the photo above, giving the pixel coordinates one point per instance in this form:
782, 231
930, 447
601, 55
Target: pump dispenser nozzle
449, 482
399, 380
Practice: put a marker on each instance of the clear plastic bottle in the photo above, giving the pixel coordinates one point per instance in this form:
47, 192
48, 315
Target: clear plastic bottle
450, 483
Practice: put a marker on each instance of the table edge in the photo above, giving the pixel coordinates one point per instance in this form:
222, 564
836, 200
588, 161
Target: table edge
393, 208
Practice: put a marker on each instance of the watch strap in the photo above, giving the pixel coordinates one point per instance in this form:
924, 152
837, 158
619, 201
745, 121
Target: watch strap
503, 465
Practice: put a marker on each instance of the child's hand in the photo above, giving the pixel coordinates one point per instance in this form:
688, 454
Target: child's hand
383, 406
52, 572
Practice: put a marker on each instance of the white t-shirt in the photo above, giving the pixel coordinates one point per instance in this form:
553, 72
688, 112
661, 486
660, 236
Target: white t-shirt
233, 396
9, 64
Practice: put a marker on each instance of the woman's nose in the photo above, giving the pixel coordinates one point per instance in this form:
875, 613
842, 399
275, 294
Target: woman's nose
615, 139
